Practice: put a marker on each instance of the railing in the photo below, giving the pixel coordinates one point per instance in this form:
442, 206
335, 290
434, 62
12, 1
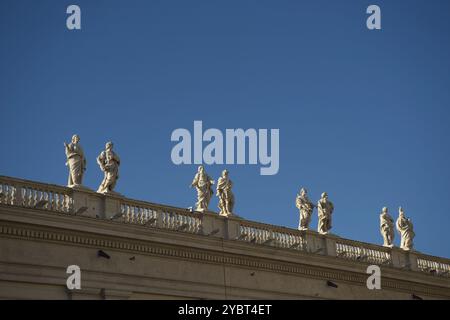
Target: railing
433, 266
271, 235
29, 194
139, 214
160, 216
362, 252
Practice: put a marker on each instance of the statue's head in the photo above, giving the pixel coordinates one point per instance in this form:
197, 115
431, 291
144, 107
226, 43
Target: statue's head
401, 212
225, 173
109, 145
324, 196
75, 138
303, 192
200, 169
384, 210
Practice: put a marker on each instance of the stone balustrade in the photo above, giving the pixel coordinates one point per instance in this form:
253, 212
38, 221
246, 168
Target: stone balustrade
53, 198
271, 235
160, 216
434, 265
139, 214
363, 252
30, 194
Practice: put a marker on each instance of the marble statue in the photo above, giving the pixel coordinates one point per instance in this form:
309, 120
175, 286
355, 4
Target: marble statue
226, 197
306, 208
109, 163
387, 228
202, 182
405, 228
325, 209
75, 161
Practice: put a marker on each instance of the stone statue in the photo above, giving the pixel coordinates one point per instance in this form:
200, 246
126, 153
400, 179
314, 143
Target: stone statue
405, 228
109, 163
226, 197
325, 208
306, 208
387, 228
75, 161
202, 182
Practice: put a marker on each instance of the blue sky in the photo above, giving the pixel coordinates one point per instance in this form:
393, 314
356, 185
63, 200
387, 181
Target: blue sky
363, 115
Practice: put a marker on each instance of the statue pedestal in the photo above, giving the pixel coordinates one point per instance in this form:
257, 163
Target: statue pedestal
112, 193
80, 187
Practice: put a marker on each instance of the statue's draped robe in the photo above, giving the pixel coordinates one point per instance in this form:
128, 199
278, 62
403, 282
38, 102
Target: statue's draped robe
405, 228
387, 229
76, 163
109, 163
202, 182
306, 208
325, 209
226, 197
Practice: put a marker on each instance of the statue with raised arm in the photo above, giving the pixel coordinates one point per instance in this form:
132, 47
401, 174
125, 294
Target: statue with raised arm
405, 228
305, 207
387, 228
109, 163
226, 197
75, 161
202, 182
325, 209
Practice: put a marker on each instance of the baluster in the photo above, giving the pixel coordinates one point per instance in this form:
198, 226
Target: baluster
56, 201
35, 197
164, 219
176, 220
152, 216
70, 203
190, 222
137, 215
8, 194
144, 215
29, 197
170, 220
13, 195
129, 217
253, 234
4, 194
197, 224
66, 205
40, 197
50, 201
244, 231
46, 198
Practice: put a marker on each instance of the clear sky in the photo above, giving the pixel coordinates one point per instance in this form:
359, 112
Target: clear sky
363, 115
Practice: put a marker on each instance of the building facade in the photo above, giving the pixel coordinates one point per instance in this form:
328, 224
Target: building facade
128, 249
